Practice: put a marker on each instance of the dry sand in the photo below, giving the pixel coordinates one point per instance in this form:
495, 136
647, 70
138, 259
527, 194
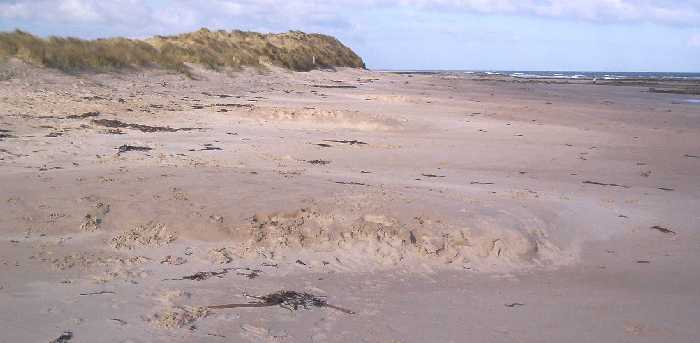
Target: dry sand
437, 208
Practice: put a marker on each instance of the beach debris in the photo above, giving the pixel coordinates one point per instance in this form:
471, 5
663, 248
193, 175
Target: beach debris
120, 321
220, 219
179, 194
221, 95
481, 183
512, 305
178, 317
324, 145
126, 148
64, 337
93, 219
113, 123
93, 97
207, 146
646, 173
300, 262
666, 189
333, 86
318, 162
174, 261
6, 134
432, 175
96, 293
112, 132
351, 183
83, 116
45, 168
663, 229
219, 256
201, 276
643, 261
290, 300
233, 105
351, 142
691, 156
604, 184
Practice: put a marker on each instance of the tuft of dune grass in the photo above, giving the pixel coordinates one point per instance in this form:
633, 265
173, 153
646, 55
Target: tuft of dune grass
293, 50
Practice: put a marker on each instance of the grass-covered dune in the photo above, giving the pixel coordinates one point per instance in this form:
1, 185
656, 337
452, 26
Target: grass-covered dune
293, 50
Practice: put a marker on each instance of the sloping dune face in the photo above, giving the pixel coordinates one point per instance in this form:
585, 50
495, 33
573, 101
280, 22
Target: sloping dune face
293, 50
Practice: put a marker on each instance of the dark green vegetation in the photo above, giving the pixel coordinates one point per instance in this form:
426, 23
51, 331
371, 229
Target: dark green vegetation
293, 50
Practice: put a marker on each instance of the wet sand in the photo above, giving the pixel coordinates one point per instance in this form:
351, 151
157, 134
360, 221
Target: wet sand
438, 208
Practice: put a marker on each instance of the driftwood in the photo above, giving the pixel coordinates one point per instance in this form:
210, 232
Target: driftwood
126, 148
201, 276
605, 184
351, 183
432, 175
289, 300
97, 293
113, 123
345, 141
221, 95
83, 116
64, 337
333, 86
663, 229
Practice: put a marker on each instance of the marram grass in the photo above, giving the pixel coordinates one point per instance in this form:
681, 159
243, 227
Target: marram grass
293, 50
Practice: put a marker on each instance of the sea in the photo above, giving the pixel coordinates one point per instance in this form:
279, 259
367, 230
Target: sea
583, 75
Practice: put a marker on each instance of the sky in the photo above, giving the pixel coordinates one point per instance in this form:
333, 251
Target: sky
582, 35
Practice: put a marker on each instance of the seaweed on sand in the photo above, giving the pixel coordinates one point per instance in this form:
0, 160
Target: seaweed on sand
290, 300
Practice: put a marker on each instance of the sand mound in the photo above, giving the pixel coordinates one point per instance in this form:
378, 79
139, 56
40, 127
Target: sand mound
178, 317
150, 234
325, 118
370, 239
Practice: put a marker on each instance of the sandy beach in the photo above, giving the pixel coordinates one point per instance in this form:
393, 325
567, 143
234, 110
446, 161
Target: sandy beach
411, 207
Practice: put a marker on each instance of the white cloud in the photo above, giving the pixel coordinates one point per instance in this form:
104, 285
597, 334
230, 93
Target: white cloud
678, 12
144, 17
